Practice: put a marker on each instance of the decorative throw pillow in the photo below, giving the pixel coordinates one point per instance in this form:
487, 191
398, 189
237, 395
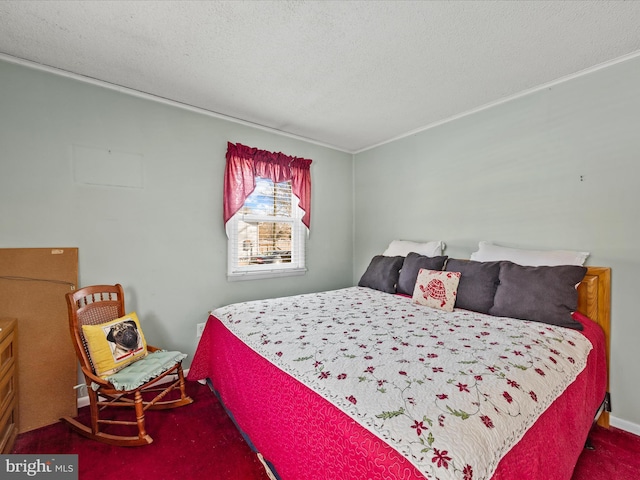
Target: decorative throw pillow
478, 283
382, 273
436, 289
543, 294
114, 345
412, 264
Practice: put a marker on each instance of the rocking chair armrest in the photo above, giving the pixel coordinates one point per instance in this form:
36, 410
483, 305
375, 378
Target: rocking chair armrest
151, 348
91, 377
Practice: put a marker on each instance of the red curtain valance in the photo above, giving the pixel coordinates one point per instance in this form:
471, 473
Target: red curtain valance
244, 164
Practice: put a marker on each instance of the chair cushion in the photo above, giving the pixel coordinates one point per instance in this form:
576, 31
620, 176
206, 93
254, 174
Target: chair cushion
145, 369
114, 345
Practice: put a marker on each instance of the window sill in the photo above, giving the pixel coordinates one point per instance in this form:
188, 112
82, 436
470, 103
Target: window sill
239, 277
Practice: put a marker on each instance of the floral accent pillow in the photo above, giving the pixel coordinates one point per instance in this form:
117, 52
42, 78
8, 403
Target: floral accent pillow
436, 289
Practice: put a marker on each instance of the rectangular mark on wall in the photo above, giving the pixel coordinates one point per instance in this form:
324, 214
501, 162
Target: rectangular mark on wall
96, 166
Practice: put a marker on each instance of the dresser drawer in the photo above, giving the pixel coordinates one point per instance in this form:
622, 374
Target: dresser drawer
8, 384
7, 351
9, 426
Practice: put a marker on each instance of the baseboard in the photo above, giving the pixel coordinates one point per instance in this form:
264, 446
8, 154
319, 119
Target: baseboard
84, 401
624, 425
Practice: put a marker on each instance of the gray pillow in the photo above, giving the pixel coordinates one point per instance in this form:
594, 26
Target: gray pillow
382, 273
543, 294
412, 264
478, 283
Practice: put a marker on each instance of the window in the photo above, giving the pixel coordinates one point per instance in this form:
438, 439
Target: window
266, 237
267, 213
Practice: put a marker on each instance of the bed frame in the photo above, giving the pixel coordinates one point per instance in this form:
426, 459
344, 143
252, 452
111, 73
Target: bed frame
594, 301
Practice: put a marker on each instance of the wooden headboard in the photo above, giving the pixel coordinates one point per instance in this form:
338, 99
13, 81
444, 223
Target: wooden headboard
594, 301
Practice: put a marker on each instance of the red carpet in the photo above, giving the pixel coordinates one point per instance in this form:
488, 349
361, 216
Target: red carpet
616, 456
199, 441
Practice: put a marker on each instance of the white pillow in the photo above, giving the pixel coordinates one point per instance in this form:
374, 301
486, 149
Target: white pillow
404, 247
487, 252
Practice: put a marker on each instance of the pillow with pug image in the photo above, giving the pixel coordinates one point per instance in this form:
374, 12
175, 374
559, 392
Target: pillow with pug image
114, 345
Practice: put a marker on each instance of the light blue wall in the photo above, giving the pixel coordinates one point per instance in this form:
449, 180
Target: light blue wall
556, 169
510, 174
164, 242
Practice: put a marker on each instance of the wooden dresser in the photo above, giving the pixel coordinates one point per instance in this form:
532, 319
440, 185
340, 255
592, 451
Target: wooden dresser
8, 384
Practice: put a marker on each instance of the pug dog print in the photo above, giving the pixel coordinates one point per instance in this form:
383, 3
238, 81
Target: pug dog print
125, 340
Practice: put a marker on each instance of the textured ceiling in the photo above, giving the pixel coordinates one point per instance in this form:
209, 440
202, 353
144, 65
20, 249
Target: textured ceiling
347, 74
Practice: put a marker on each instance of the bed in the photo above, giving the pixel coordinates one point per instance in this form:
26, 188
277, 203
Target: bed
410, 414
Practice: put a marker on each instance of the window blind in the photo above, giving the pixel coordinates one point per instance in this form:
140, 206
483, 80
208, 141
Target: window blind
268, 233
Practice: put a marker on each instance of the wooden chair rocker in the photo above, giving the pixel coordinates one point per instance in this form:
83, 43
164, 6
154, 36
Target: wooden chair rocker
106, 338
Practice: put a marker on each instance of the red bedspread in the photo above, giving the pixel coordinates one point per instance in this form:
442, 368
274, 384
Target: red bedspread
305, 437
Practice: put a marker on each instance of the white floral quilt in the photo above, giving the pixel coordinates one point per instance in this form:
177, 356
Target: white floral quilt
453, 392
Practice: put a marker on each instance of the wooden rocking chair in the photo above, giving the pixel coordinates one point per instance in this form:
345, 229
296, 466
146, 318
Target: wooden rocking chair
97, 305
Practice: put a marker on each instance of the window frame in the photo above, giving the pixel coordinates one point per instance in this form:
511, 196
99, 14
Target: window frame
299, 231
